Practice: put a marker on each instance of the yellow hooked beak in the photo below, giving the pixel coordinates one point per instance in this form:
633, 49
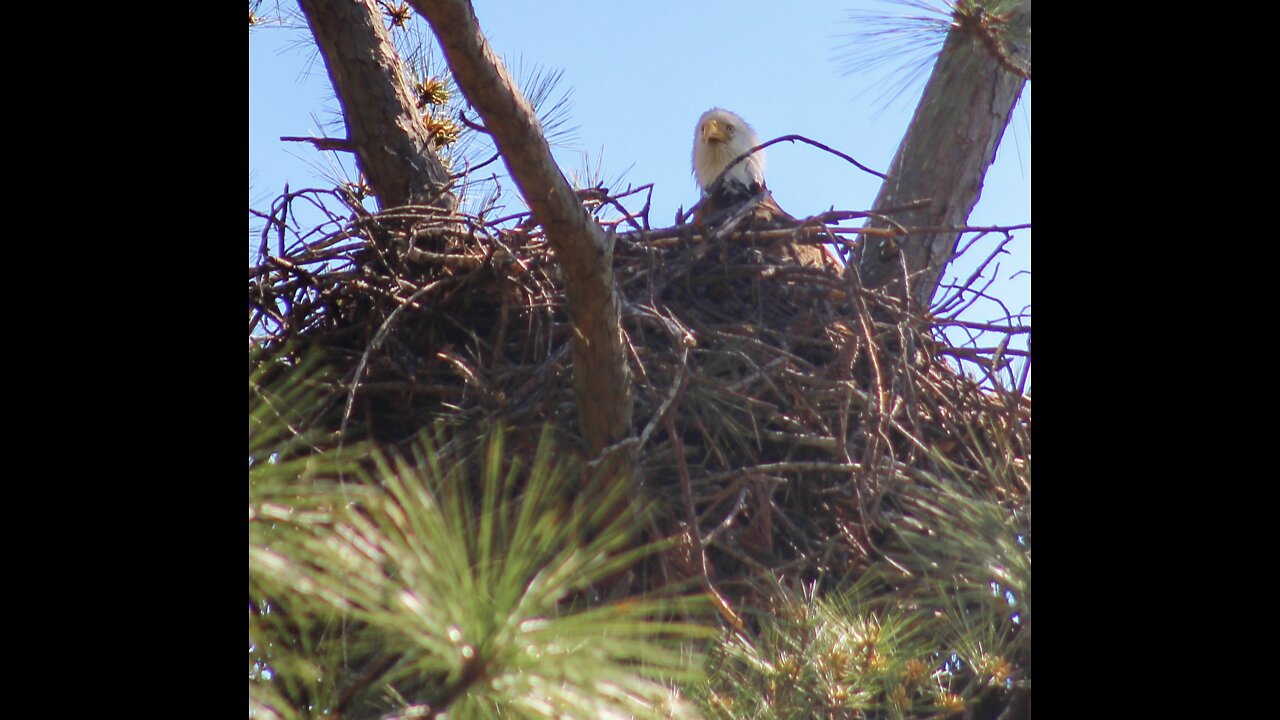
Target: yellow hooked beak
714, 132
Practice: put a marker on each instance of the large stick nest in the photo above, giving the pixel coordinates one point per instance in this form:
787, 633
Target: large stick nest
785, 406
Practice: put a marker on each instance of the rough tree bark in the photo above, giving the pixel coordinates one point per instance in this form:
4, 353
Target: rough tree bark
602, 382
394, 151
948, 147
384, 129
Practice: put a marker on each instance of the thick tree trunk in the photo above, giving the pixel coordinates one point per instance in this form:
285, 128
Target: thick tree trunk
383, 125
944, 157
584, 253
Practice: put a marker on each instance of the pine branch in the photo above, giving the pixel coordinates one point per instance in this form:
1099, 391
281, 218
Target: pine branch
383, 124
944, 156
602, 379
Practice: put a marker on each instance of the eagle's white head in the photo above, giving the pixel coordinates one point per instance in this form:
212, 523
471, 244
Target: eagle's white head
722, 136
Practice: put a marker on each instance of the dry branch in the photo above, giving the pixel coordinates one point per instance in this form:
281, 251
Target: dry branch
584, 253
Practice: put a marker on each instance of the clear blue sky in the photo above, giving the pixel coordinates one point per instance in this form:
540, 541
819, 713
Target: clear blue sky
640, 74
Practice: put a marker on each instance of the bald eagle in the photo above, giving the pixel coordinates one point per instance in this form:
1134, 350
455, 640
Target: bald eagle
721, 136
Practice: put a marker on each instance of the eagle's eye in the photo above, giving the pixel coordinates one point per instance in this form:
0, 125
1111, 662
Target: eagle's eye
729, 128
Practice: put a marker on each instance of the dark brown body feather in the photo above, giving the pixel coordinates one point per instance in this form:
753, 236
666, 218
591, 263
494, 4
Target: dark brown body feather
765, 214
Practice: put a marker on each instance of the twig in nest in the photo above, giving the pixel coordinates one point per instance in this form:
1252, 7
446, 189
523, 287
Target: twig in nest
695, 537
339, 144
739, 505
377, 340
715, 186
731, 224
472, 123
677, 388
472, 168
1026, 371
